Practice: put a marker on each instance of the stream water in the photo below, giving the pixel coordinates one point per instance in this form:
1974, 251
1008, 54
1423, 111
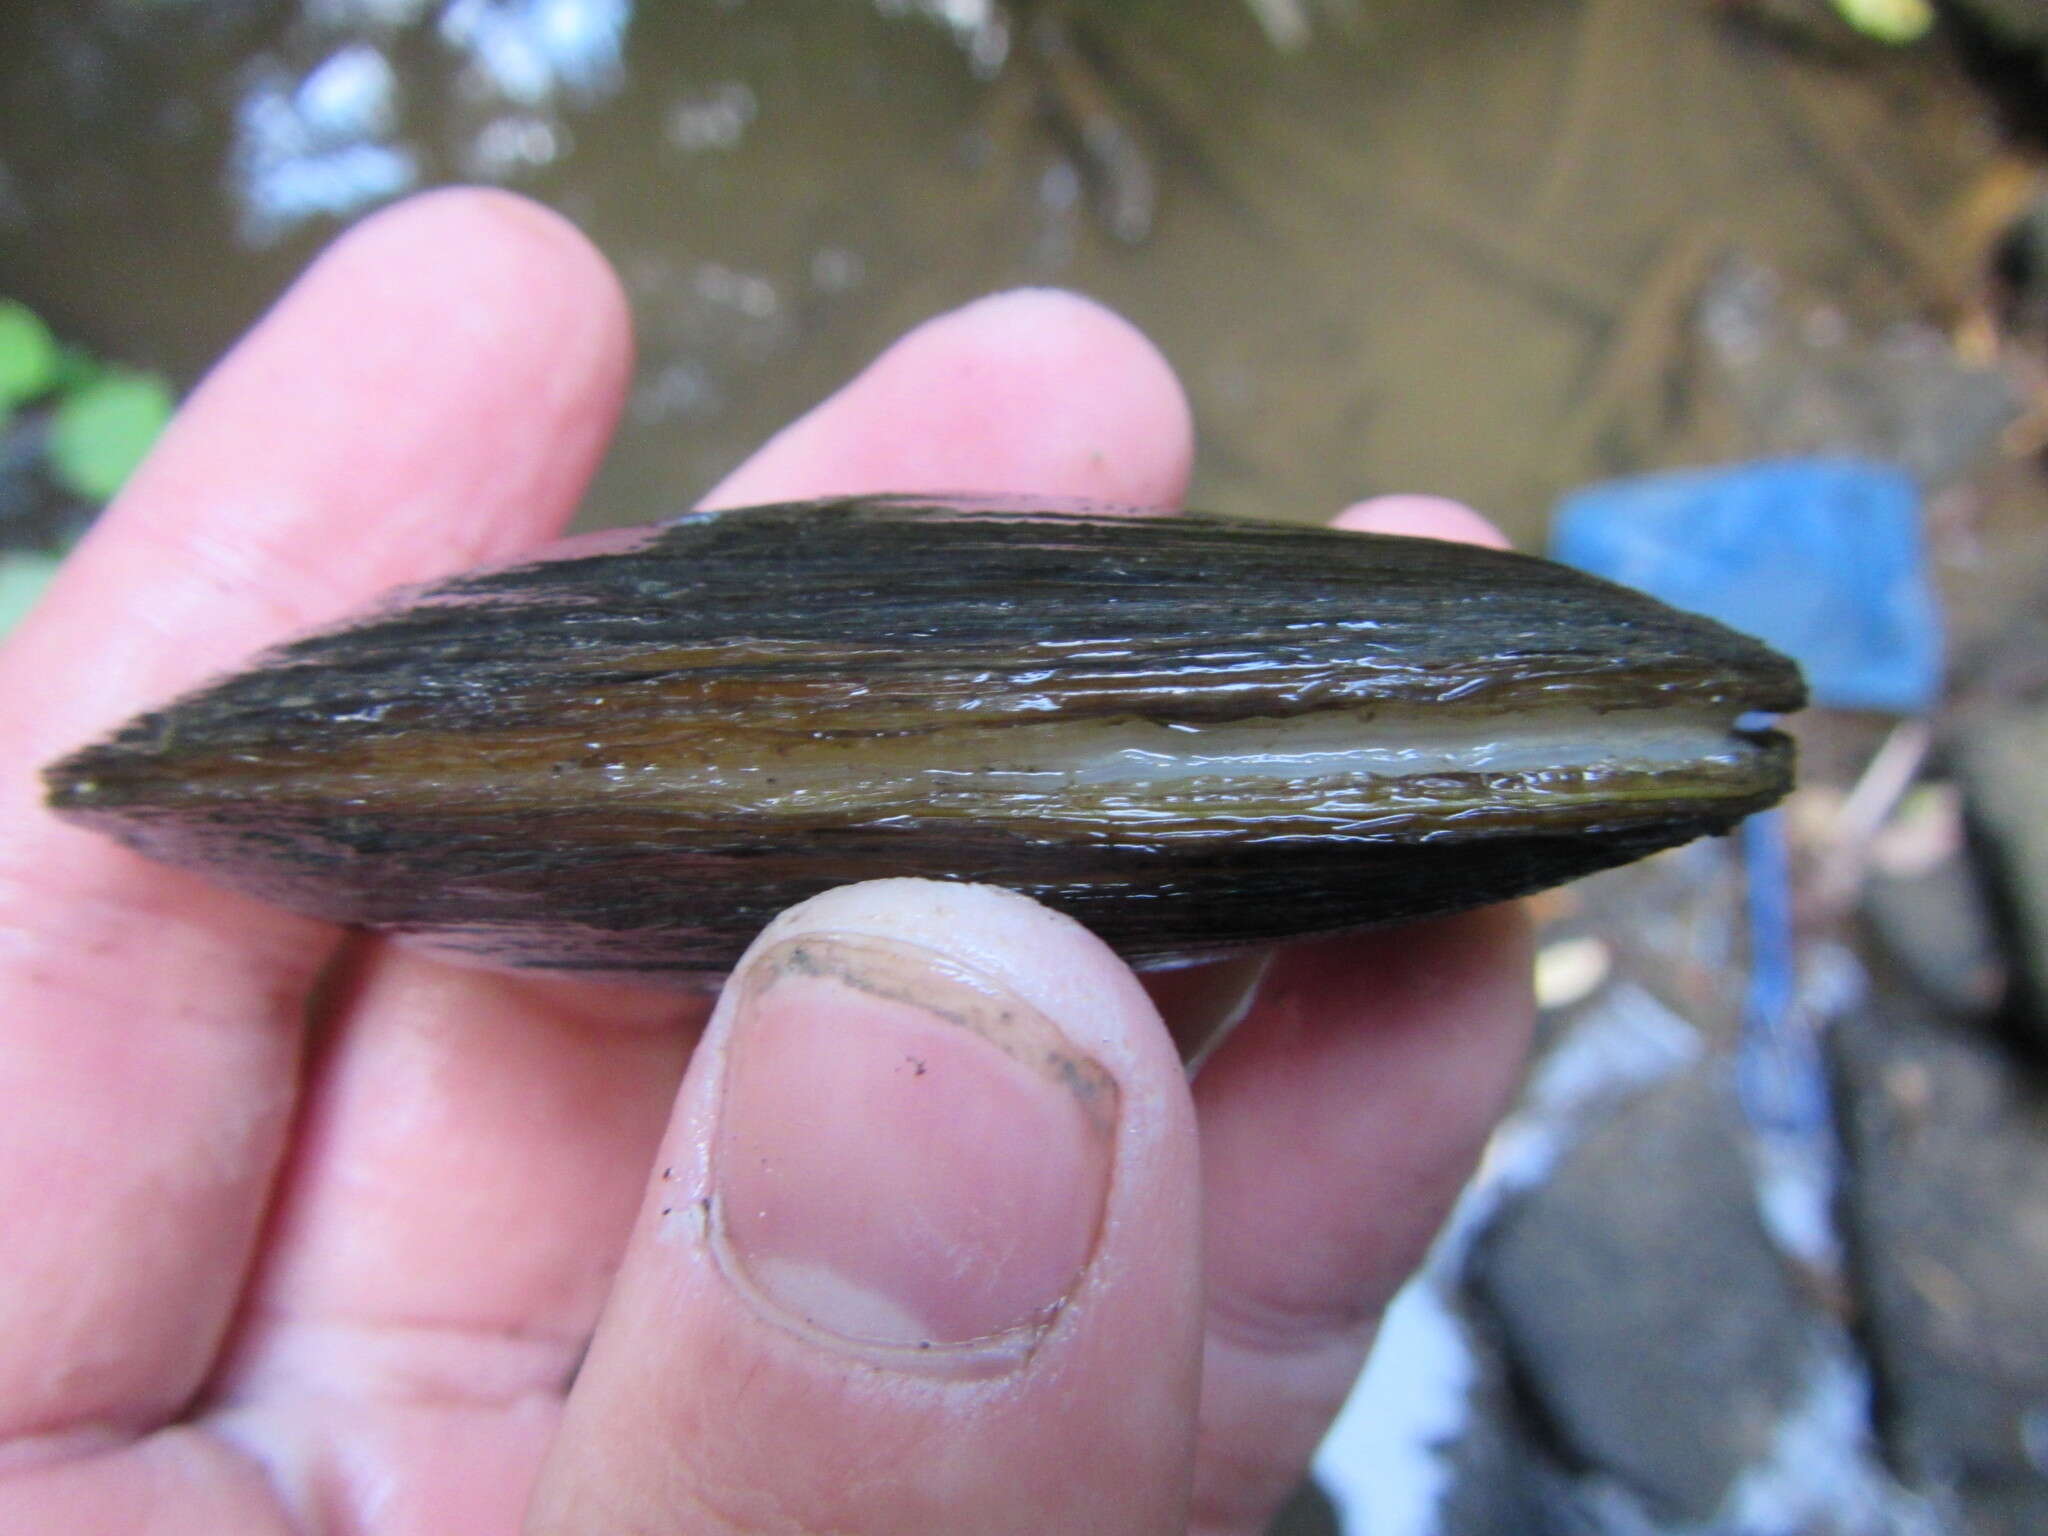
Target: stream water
1389, 244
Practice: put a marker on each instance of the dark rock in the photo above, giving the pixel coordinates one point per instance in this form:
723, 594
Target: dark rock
2001, 760
1947, 1207
1435, 1434
2004, 45
1499, 1473
1657, 1335
1307, 1512
1935, 925
2017, 22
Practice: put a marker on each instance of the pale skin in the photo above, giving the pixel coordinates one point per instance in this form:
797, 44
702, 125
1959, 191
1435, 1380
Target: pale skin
310, 1232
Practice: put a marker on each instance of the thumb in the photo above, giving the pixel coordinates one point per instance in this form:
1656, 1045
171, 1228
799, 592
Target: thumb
922, 1252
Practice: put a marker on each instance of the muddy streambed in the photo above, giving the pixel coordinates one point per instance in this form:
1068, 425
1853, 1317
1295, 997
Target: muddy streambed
1408, 246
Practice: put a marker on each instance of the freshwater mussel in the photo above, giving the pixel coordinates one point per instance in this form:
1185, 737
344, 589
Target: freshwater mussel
1192, 733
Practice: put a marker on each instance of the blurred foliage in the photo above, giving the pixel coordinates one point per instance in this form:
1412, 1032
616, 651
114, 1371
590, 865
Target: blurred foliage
102, 429
1889, 21
28, 357
2020, 23
72, 429
23, 575
101, 417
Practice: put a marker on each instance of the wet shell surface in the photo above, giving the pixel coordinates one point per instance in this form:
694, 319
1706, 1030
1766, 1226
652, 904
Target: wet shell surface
1192, 733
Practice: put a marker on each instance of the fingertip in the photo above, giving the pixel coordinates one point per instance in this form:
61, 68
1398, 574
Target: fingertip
490, 271
1034, 390
1105, 1085
1059, 352
483, 226
1424, 517
924, 1209
1043, 956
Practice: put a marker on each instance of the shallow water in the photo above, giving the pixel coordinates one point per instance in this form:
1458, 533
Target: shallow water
1421, 250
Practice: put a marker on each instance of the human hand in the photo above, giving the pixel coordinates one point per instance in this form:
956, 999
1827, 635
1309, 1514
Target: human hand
304, 1231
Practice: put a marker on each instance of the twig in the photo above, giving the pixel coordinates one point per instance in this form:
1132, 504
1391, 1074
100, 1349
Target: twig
1303, 162
1870, 199
1113, 157
1646, 339
1596, 54
1877, 792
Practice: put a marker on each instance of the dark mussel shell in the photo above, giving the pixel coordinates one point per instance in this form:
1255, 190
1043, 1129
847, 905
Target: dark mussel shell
1192, 733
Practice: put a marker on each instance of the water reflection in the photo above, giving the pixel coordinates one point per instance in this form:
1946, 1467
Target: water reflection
328, 142
533, 51
1390, 259
319, 146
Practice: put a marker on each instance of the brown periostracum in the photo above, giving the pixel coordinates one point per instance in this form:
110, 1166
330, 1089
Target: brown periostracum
1192, 733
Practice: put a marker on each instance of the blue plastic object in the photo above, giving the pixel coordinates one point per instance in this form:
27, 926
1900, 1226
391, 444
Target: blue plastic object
1820, 557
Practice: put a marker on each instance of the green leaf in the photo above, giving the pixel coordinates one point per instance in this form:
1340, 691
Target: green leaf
1889, 21
101, 431
75, 368
28, 355
23, 575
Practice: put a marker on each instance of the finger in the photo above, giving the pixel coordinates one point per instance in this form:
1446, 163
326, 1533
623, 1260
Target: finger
433, 391
457, 1114
1034, 391
1338, 1123
462, 1178
906, 416
920, 1256
1422, 517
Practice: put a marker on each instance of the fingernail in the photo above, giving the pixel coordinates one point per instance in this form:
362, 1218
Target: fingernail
906, 1157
